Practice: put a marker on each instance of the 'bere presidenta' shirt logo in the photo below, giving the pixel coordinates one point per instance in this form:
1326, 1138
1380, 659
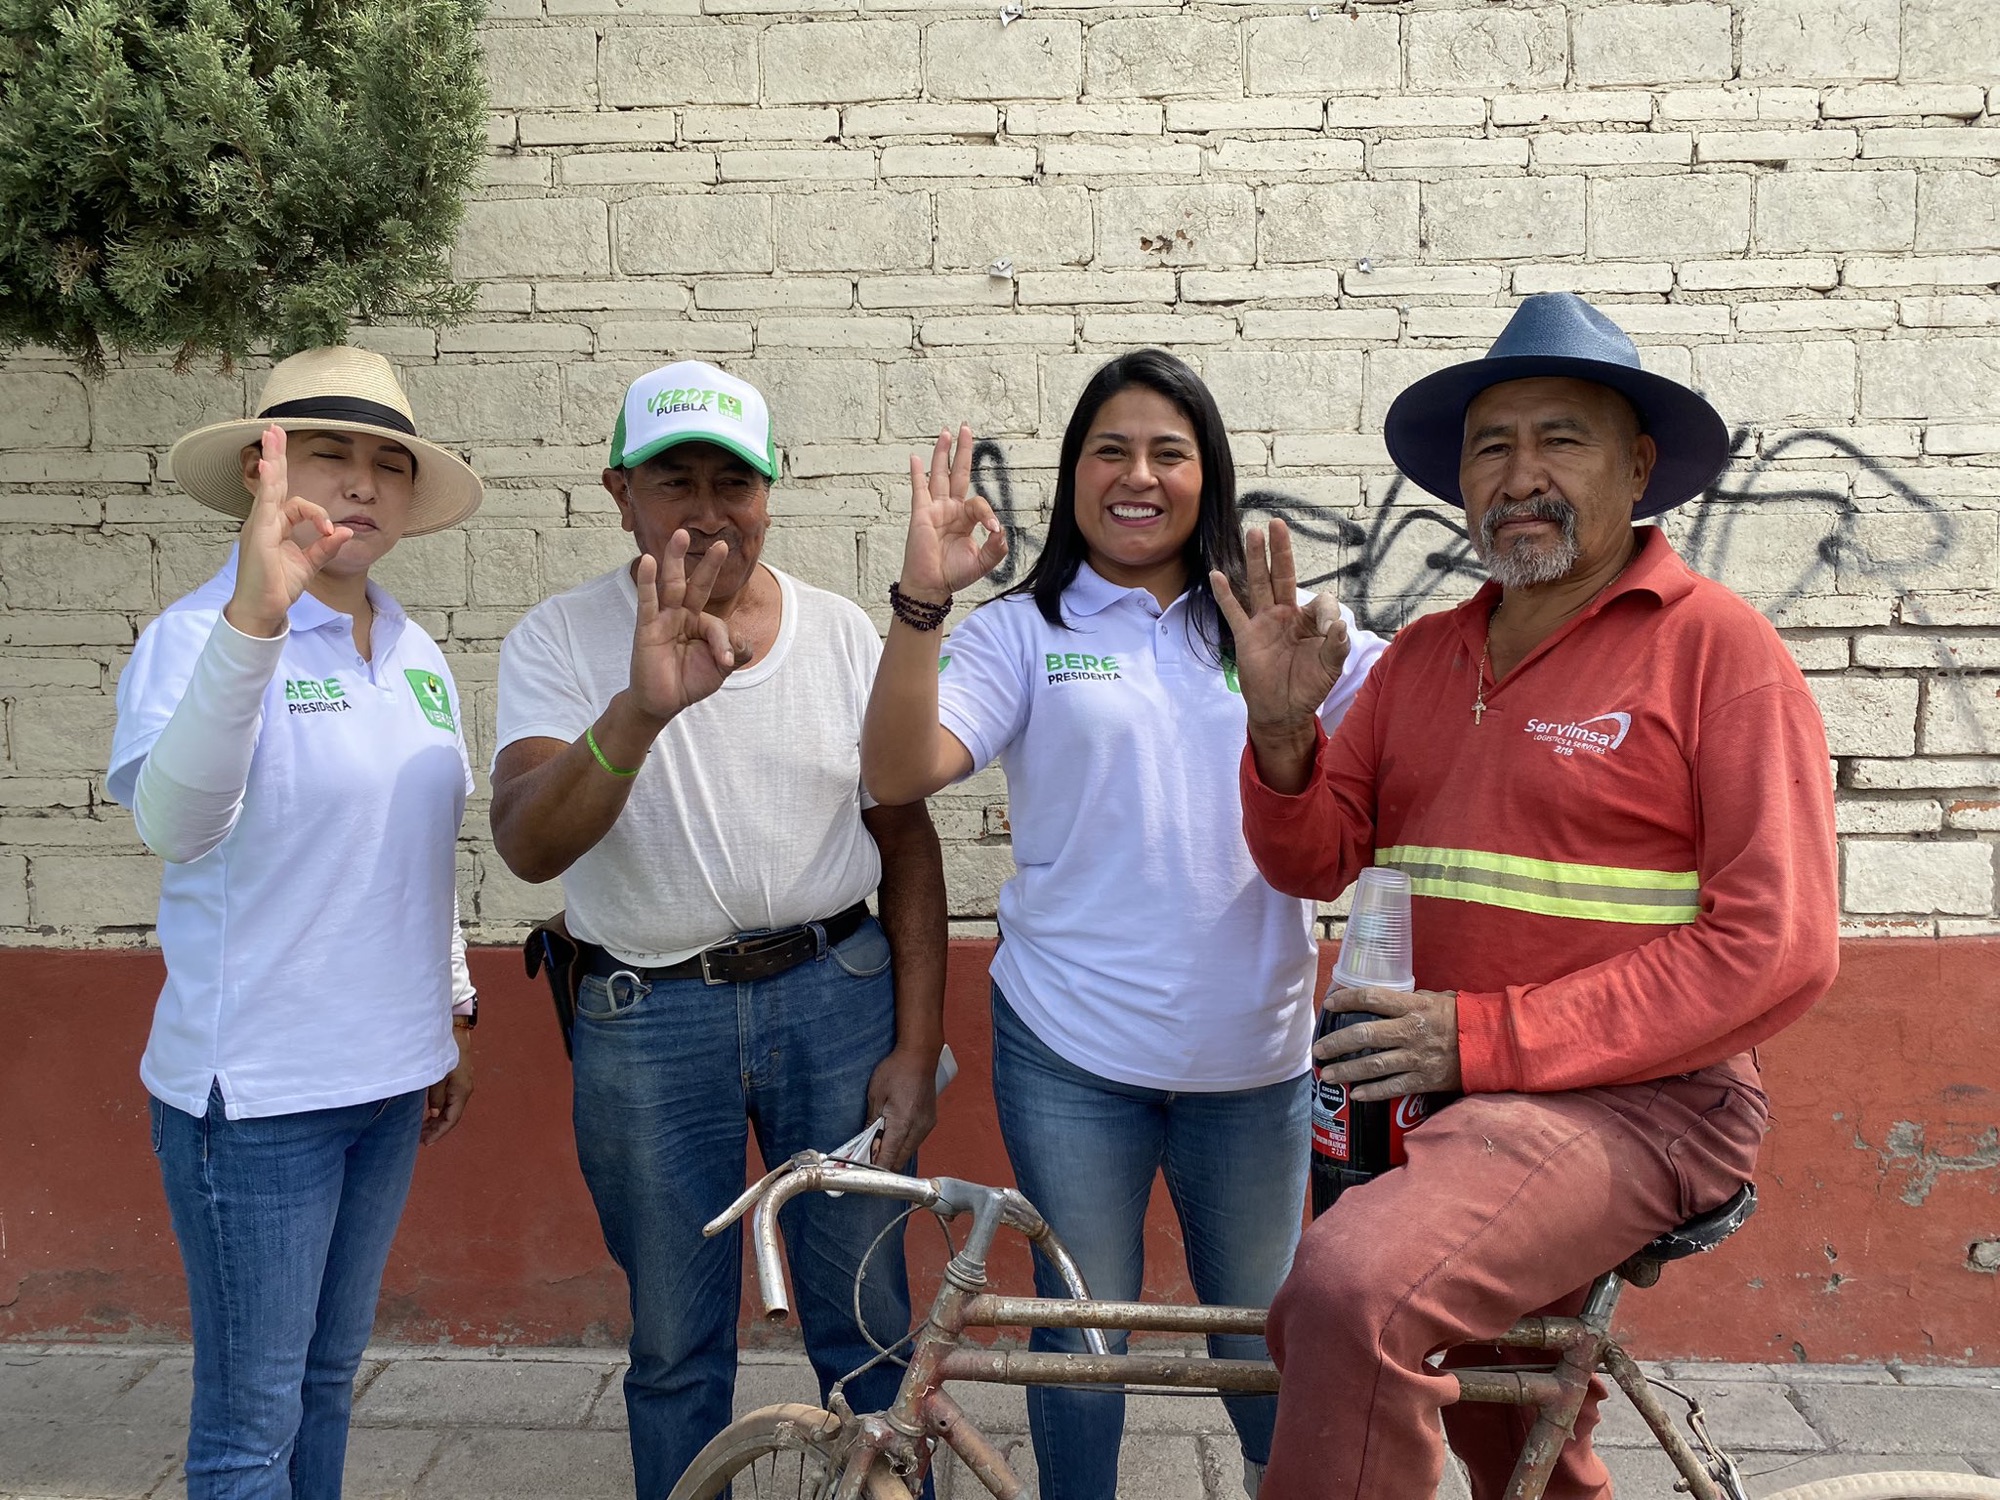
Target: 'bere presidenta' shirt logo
1598, 736
315, 695
1077, 666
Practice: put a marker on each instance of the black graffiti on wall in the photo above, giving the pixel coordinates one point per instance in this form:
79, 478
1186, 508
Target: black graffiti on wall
992, 478
1908, 561
1403, 556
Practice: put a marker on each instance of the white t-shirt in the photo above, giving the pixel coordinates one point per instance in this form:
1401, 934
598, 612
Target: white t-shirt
309, 954
747, 813
1138, 940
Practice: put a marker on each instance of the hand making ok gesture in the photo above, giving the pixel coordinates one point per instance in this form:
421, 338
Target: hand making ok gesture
283, 543
1288, 655
940, 555
679, 654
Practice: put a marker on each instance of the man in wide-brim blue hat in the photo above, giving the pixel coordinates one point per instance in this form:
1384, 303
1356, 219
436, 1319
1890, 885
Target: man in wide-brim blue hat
1560, 336
1606, 781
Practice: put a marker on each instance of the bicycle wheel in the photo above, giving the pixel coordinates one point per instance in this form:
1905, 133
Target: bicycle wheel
1896, 1486
791, 1450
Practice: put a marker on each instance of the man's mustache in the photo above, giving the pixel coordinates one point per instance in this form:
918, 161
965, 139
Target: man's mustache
1547, 508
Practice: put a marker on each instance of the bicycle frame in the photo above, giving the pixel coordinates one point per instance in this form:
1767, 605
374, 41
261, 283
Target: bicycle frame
923, 1409
1582, 1344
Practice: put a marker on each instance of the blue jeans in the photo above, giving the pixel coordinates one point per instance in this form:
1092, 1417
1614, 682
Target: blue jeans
669, 1078
1085, 1151
284, 1226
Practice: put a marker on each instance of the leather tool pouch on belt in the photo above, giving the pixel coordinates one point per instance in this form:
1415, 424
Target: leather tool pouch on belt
550, 946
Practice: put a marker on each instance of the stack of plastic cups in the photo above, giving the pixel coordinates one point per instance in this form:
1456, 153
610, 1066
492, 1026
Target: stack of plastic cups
1375, 948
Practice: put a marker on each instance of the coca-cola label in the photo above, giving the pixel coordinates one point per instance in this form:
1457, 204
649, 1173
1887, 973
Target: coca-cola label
1329, 1122
1410, 1111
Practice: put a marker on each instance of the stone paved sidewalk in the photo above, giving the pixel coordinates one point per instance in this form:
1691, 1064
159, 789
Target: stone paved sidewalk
106, 1422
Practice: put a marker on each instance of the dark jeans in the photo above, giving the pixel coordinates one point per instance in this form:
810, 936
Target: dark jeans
670, 1078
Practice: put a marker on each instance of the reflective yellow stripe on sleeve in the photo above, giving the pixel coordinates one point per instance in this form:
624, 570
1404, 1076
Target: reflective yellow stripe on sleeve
1590, 893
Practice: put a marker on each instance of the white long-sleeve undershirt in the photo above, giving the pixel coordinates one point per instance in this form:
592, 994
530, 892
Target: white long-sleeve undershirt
191, 785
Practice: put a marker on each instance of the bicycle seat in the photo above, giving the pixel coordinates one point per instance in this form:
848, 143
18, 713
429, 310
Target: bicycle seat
1701, 1233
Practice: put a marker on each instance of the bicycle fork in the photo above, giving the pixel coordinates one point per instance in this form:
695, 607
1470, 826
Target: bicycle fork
923, 1410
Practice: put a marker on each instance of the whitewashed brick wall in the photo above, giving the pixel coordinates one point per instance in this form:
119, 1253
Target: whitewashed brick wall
1794, 204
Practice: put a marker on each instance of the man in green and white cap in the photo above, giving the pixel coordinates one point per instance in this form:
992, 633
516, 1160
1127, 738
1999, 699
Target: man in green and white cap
679, 741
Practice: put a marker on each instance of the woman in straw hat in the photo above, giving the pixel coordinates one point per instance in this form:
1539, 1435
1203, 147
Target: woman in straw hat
289, 742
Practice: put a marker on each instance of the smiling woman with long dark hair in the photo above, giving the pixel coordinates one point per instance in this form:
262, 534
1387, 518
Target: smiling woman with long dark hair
1215, 542
1152, 995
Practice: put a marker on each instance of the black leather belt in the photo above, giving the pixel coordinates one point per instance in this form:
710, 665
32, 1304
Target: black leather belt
756, 956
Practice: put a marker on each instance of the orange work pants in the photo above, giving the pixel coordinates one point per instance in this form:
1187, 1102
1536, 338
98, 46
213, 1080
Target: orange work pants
1509, 1204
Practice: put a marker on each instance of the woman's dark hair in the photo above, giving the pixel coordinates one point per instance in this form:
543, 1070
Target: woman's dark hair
1217, 541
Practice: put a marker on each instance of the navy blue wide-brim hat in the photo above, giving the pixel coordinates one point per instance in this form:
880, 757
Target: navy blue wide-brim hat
1558, 333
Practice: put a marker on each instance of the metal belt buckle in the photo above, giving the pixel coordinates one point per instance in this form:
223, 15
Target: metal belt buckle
708, 973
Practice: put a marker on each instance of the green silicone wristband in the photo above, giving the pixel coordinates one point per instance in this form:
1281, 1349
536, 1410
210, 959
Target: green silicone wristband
590, 739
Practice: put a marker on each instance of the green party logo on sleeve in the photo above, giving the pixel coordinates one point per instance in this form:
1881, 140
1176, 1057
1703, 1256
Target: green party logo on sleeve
1229, 678
432, 698
944, 661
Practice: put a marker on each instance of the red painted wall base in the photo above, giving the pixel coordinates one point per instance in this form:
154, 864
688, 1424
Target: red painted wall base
1881, 1175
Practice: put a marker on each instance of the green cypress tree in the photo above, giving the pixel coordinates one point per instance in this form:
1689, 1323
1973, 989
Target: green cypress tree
208, 176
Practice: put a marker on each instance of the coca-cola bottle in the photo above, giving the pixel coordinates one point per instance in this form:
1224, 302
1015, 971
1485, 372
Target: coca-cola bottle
1353, 1142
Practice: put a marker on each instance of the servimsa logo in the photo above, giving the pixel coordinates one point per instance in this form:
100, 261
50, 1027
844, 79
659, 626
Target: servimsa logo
686, 398
1077, 666
431, 697
1599, 736
315, 695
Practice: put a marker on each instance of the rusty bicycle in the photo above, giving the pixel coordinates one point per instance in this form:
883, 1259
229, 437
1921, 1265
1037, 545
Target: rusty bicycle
810, 1453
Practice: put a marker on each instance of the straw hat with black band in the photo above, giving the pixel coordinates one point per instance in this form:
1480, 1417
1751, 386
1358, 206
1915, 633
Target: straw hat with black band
335, 389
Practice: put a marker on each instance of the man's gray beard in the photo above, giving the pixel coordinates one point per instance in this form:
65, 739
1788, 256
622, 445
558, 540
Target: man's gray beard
1527, 563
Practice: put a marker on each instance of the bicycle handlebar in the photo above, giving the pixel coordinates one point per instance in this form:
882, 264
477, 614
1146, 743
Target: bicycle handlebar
812, 1171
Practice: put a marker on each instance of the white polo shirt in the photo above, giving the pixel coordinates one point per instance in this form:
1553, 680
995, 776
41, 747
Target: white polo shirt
1138, 940
309, 953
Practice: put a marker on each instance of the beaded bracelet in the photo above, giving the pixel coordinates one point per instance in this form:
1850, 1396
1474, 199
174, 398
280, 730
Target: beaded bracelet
918, 614
590, 739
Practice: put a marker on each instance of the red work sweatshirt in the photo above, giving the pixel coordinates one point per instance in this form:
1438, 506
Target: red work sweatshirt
1626, 869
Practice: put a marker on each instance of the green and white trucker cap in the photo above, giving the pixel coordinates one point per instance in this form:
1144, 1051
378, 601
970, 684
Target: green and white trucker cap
692, 402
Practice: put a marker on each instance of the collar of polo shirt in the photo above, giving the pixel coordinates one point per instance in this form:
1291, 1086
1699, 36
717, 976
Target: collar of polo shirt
311, 613
1091, 593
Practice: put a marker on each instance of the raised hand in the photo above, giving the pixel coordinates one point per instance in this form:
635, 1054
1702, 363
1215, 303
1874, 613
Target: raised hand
679, 654
940, 555
283, 543
1288, 655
